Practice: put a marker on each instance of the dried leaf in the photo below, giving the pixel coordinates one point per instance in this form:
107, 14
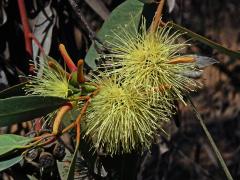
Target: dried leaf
3, 16
42, 27
171, 5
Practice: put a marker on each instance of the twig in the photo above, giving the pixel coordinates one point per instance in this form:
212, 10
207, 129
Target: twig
26, 27
215, 149
84, 109
77, 121
28, 36
202, 39
75, 8
37, 43
157, 17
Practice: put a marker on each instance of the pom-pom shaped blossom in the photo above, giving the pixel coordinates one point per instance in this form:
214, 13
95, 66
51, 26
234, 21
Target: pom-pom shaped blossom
145, 59
122, 119
51, 83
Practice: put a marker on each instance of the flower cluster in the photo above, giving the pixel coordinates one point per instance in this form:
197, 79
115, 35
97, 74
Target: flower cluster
137, 92
121, 119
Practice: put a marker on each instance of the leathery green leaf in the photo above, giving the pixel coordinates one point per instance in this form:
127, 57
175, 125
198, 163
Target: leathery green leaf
7, 163
13, 91
126, 14
10, 142
71, 170
214, 45
23, 108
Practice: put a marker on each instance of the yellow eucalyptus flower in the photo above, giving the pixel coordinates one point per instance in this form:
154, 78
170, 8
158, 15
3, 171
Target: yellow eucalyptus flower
50, 83
121, 119
142, 59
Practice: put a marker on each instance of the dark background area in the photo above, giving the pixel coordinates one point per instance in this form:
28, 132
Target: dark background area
188, 154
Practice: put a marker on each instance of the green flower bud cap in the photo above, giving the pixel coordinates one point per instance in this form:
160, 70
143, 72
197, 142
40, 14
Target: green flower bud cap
142, 59
121, 119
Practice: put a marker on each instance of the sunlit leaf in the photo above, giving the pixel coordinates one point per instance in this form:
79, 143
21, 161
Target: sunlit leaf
10, 142
8, 162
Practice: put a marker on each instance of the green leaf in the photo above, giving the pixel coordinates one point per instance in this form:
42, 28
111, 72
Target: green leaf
148, 1
10, 142
195, 36
6, 163
13, 91
64, 164
127, 14
71, 169
24, 108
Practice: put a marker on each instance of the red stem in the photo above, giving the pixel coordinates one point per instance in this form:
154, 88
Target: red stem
26, 27
28, 46
38, 124
37, 43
